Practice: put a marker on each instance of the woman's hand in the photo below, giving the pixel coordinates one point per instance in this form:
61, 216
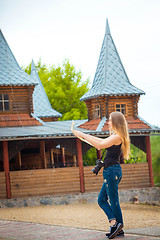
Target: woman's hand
78, 133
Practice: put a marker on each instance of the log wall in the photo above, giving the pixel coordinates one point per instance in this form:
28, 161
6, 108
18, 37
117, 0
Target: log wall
38, 182
20, 98
108, 105
2, 185
121, 100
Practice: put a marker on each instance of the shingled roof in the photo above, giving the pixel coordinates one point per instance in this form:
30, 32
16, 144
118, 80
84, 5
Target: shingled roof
110, 77
135, 125
17, 120
41, 104
10, 72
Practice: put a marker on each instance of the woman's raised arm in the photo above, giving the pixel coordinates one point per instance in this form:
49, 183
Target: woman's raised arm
98, 142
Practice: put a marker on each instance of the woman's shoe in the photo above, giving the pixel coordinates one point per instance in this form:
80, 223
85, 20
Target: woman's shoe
115, 229
121, 233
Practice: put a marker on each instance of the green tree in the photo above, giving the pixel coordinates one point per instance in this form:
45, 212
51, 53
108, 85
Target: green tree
155, 143
64, 87
90, 157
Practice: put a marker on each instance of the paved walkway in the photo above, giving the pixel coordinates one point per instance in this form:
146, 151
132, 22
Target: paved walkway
13, 230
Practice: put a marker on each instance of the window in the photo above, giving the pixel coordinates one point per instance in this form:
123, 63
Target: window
96, 111
4, 102
121, 108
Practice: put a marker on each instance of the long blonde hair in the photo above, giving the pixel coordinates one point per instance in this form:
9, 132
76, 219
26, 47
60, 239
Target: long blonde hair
120, 127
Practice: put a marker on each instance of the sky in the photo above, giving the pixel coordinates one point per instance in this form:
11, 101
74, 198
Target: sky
55, 30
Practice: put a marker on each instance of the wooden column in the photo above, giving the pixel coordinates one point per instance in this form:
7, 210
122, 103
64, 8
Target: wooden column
6, 168
149, 159
74, 161
19, 160
43, 154
99, 154
63, 156
80, 164
52, 157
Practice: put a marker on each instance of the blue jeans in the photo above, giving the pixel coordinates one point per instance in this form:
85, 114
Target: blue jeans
108, 198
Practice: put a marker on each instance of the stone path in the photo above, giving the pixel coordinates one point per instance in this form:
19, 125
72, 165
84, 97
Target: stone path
13, 230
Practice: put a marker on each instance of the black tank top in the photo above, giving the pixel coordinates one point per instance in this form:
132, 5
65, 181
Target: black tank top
112, 156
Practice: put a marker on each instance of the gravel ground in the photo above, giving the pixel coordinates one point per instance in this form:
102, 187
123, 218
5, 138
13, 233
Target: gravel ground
84, 215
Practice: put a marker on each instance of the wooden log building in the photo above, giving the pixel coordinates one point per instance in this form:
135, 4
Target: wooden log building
39, 155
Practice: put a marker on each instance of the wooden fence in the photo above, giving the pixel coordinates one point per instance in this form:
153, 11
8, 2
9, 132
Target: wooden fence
2, 185
38, 182
135, 175
44, 182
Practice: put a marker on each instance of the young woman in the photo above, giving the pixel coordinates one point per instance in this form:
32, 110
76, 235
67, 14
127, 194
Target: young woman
118, 142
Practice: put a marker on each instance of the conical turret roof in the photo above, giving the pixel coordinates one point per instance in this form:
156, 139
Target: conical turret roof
110, 77
10, 72
41, 104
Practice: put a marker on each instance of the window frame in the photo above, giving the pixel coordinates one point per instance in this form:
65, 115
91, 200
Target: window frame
97, 110
3, 102
122, 103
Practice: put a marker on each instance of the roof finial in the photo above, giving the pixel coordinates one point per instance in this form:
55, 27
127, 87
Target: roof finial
107, 27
